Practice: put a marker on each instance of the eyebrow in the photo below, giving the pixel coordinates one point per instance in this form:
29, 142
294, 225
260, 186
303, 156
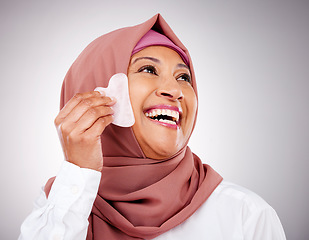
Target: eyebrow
179, 65
148, 58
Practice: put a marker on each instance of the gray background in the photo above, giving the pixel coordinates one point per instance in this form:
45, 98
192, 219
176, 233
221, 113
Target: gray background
251, 61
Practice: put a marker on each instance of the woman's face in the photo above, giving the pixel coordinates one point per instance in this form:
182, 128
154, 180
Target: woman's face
163, 101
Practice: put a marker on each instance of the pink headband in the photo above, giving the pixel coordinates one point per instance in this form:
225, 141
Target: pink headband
153, 38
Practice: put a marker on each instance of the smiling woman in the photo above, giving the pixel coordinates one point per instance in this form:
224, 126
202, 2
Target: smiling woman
143, 181
163, 101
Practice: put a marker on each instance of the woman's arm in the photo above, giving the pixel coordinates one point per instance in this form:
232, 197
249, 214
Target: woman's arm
64, 214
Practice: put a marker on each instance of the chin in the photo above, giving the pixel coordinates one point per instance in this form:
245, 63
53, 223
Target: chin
158, 142
162, 150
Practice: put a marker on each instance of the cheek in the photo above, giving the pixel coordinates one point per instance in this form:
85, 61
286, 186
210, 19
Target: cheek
190, 98
191, 106
194, 106
139, 90
134, 97
133, 92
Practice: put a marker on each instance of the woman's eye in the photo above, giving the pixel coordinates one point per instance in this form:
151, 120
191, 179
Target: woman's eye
148, 69
184, 77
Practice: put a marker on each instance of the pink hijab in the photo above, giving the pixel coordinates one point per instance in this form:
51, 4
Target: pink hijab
138, 197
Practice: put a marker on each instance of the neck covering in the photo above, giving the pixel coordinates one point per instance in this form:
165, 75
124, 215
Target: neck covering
138, 197
153, 38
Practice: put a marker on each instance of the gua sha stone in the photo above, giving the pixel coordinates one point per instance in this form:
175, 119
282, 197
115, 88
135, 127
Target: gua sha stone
118, 88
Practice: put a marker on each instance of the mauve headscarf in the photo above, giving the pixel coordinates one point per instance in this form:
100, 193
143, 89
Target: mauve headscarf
138, 197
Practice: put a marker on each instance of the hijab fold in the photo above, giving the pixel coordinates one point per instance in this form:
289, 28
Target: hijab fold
138, 197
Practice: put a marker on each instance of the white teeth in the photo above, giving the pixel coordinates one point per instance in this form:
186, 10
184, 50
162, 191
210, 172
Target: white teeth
167, 121
166, 112
170, 122
174, 114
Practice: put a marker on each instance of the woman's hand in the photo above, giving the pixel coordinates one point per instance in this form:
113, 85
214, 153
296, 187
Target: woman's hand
80, 124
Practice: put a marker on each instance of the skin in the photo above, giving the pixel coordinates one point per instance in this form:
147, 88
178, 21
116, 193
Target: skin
165, 82
157, 75
79, 124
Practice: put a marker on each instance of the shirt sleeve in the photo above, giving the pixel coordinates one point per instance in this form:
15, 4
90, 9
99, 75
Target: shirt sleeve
64, 214
263, 224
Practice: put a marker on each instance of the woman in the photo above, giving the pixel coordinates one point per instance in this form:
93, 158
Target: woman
139, 182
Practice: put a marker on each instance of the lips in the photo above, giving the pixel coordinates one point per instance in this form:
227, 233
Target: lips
165, 115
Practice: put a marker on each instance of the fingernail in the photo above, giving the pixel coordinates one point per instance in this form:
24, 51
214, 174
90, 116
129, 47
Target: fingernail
102, 93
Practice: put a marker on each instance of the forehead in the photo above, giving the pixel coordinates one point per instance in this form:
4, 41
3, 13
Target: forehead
160, 52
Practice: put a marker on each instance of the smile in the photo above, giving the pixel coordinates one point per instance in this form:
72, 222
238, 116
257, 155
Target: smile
164, 114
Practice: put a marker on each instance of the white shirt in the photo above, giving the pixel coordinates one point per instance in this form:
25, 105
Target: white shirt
230, 213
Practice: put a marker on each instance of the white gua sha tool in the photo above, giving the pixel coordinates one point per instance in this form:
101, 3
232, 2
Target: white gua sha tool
118, 88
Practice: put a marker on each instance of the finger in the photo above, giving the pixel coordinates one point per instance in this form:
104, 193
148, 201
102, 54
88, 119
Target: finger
90, 117
72, 103
84, 105
98, 127
101, 92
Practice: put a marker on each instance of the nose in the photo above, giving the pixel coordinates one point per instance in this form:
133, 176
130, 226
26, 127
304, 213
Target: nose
171, 90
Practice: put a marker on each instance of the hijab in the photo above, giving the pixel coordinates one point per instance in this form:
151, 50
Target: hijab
153, 38
138, 197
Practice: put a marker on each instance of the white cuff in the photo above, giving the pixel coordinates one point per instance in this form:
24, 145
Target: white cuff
75, 188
